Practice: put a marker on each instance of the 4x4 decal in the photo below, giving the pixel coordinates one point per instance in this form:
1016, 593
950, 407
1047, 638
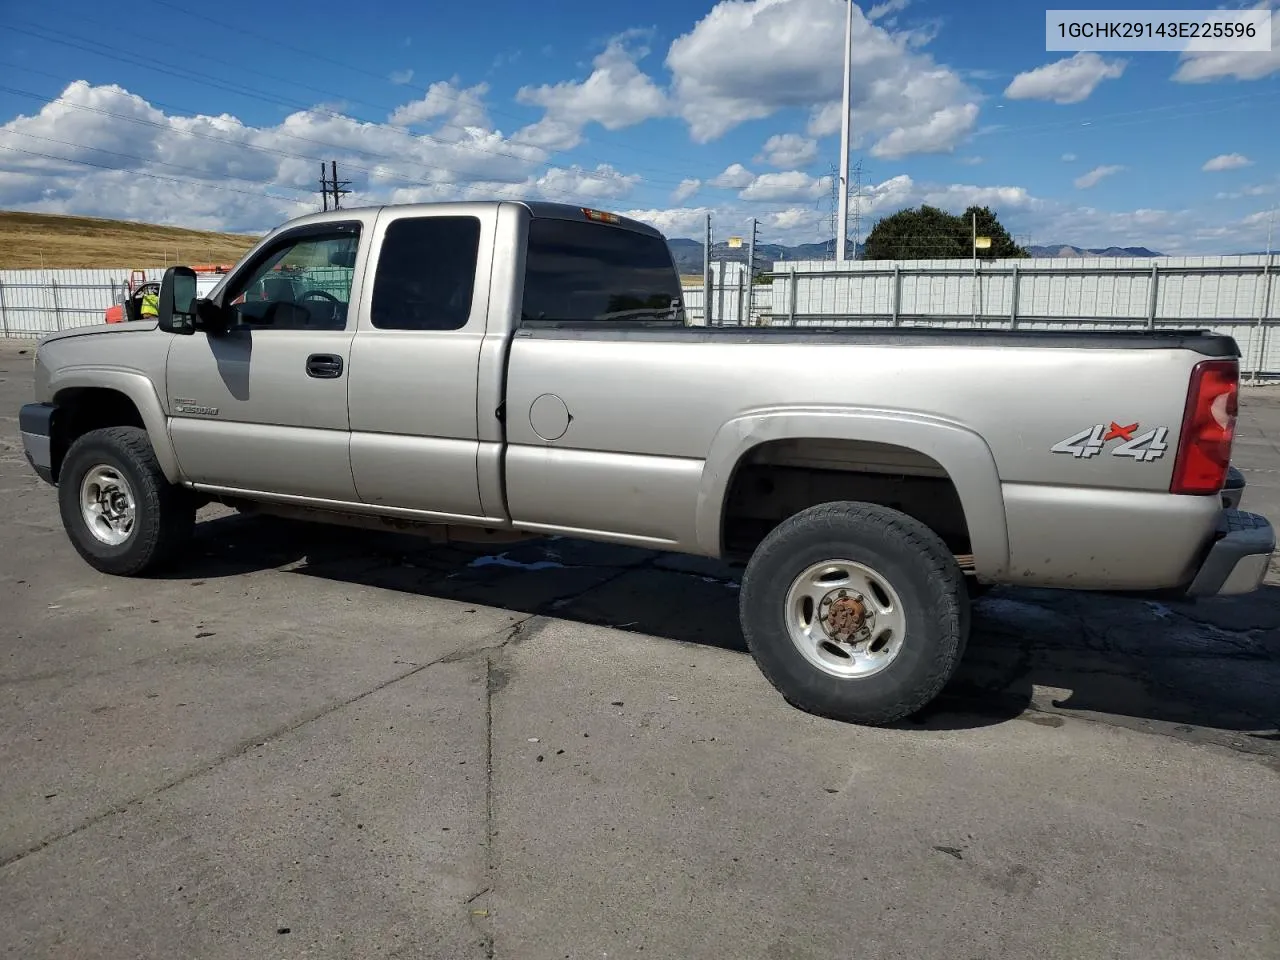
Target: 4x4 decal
1093, 441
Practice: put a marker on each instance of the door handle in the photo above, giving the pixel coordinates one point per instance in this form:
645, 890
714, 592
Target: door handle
324, 366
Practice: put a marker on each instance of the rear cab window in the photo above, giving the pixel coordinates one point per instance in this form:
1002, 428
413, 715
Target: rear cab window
584, 274
426, 274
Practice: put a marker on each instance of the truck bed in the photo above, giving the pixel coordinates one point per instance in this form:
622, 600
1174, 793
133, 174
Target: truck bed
1204, 342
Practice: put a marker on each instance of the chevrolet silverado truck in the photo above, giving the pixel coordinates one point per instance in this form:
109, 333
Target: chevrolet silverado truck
505, 370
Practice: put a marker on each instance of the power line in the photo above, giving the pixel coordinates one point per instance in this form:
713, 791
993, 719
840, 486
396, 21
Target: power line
239, 31
124, 156
209, 80
387, 175
150, 176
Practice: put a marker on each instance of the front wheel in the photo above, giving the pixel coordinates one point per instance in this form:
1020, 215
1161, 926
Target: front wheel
120, 512
855, 612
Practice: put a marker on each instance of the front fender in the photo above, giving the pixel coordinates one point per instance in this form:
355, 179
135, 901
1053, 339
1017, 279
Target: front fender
960, 451
137, 388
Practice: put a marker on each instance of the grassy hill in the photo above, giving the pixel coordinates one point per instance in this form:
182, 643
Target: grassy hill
29, 240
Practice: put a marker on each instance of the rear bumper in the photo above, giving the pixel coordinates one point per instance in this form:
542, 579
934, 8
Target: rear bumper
35, 422
1239, 558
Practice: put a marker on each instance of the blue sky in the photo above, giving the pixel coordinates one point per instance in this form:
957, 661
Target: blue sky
216, 117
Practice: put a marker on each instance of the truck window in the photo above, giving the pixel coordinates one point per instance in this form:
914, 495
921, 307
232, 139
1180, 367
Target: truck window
595, 273
302, 283
426, 274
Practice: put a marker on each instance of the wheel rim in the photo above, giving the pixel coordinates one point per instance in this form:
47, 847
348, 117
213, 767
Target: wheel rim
107, 505
845, 619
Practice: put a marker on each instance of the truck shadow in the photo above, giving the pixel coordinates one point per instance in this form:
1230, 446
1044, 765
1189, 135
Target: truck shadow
1215, 664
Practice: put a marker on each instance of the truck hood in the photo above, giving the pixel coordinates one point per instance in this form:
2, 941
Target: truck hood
98, 329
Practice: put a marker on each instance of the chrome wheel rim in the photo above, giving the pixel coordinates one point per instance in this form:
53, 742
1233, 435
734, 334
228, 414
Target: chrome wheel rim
845, 619
107, 505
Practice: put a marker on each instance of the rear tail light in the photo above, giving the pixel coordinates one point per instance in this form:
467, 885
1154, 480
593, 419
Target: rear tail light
1208, 428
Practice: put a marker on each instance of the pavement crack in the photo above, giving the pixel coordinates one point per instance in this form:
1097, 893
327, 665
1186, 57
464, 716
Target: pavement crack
244, 747
489, 828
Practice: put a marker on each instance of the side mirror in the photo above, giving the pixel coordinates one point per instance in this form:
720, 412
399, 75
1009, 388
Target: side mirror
177, 306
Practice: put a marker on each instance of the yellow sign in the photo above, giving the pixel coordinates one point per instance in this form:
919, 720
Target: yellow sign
735, 242
982, 243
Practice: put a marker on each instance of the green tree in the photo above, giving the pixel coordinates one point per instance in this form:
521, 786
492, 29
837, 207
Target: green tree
929, 233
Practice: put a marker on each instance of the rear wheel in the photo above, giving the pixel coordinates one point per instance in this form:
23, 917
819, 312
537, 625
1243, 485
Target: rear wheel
856, 612
120, 512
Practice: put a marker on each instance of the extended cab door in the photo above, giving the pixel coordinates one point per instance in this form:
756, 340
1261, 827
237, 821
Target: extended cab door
263, 407
412, 395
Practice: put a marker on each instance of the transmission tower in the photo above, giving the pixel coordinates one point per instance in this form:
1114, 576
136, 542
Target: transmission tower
855, 209
833, 213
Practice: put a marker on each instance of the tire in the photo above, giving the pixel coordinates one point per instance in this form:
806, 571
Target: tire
895, 568
121, 461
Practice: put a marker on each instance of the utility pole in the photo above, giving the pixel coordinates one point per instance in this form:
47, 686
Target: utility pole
842, 232
751, 267
975, 267
706, 276
331, 186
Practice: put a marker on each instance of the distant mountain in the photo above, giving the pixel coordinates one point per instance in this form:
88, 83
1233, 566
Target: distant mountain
688, 253
1067, 250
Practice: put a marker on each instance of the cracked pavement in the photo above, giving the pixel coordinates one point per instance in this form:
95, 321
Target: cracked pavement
325, 742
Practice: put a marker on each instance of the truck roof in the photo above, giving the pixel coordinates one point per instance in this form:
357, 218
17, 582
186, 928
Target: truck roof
537, 208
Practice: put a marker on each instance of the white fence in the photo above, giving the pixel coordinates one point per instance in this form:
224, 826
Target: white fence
1238, 296
36, 302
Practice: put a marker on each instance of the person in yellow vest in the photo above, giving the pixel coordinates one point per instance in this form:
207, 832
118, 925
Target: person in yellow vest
150, 305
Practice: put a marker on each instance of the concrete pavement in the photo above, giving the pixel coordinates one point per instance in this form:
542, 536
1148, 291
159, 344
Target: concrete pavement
319, 742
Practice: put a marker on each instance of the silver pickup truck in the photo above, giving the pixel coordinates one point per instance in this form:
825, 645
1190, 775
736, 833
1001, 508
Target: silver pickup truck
496, 371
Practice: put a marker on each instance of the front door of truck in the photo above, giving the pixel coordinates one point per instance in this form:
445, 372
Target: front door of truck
263, 407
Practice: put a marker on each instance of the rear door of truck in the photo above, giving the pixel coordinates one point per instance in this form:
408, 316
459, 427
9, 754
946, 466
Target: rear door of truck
412, 391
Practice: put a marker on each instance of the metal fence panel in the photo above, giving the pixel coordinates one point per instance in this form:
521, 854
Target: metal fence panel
1239, 296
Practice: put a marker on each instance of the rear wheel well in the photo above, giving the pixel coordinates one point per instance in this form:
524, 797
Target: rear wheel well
81, 409
778, 479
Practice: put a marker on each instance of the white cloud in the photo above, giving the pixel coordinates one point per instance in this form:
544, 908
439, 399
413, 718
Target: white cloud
788, 150
617, 94
686, 190
601, 183
939, 132
461, 108
401, 77
678, 222
786, 187
882, 10
1069, 80
1257, 190
1068, 158
900, 192
240, 177
734, 177
1227, 161
748, 59
972, 161
1096, 175
1204, 66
